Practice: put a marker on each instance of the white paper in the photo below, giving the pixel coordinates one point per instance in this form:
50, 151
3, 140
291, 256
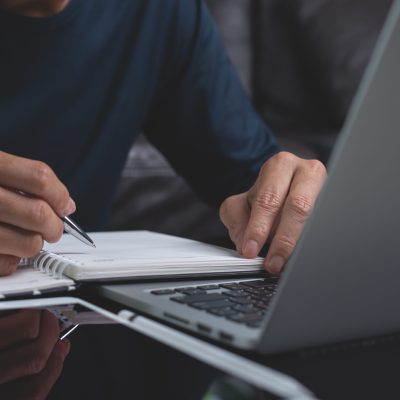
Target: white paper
25, 279
143, 253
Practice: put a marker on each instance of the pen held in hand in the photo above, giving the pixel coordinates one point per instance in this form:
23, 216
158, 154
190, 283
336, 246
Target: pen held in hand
70, 226
74, 229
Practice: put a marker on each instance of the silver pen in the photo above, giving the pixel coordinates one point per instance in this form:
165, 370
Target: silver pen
71, 227
74, 229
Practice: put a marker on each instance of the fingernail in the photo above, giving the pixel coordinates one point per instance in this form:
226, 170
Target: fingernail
276, 264
71, 208
250, 249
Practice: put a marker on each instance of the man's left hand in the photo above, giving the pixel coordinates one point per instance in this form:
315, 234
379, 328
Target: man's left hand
275, 208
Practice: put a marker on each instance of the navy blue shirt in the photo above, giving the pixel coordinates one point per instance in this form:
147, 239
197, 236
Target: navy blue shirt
78, 87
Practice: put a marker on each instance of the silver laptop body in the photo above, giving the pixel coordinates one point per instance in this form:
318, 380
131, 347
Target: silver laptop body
343, 279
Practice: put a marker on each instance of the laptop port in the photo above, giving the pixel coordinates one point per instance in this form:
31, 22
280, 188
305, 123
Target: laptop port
225, 336
203, 328
176, 318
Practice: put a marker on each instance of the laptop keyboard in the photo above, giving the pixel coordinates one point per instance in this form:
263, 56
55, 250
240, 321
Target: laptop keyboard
243, 302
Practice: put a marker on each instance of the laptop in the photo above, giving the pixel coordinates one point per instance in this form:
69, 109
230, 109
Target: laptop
342, 281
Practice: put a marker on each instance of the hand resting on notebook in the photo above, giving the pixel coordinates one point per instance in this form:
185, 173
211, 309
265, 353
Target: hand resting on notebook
27, 220
31, 355
275, 208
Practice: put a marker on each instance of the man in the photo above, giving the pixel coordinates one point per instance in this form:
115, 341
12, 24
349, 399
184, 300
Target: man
80, 79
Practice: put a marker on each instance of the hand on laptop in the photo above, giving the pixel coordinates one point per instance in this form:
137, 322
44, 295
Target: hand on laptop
26, 221
31, 355
275, 208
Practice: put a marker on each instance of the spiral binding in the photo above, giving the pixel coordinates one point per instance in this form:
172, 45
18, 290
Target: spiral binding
50, 264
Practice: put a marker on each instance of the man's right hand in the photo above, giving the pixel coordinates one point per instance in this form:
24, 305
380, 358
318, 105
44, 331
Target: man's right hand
32, 200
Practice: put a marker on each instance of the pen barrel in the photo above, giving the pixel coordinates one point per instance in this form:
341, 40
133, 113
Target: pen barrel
74, 229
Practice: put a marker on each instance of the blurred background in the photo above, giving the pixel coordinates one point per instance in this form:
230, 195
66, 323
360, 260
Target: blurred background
301, 62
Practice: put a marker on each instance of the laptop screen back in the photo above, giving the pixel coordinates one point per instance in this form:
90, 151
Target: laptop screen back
343, 280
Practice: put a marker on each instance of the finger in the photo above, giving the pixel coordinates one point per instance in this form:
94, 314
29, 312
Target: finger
18, 327
306, 185
31, 357
31, 214
19, 243
36, 178
38, 386
8, 264
234, 213
266, 199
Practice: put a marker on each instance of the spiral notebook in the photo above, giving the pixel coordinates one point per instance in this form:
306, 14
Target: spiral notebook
132, 255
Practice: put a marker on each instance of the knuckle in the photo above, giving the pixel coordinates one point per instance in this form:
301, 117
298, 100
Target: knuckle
301, 206
317, 167
33, 244
42, 174
41, 212
284, 157
258, 231
269, 202
60, 202
285, 244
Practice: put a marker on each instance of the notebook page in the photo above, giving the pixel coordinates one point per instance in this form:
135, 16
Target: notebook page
141, 252
26, 279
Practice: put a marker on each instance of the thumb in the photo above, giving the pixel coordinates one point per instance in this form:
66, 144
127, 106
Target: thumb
235, 213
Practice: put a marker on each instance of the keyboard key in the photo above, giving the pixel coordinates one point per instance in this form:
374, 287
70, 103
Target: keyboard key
190, 291
241, 300
178, 299
232, 286
262, 297
255, 284
206, 305
208, 287
247, 309
253, 291
236, 317
222, 312
266, 295
236, 293
272, 279
245, 318
270, 288
161, 292
261, 304
197, 298
256, 324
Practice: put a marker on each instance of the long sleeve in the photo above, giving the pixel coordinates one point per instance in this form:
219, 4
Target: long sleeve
203, 121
